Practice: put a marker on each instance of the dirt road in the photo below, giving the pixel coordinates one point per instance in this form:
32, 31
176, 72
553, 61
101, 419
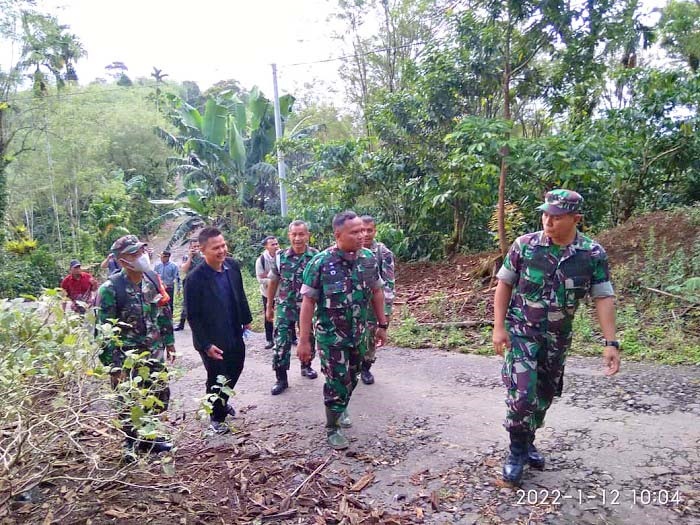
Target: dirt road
619, 450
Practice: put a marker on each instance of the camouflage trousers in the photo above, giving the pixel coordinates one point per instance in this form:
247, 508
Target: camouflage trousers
370, 355
146, 388
284, 335
533, 374
341, 366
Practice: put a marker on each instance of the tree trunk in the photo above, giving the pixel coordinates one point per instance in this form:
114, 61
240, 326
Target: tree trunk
502, 241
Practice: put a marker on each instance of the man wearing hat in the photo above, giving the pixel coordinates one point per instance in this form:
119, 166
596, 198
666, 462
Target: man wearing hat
169, 273
544, 276
136, 298
79, 286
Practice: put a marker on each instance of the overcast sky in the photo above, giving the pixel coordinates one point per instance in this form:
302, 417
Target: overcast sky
205, 40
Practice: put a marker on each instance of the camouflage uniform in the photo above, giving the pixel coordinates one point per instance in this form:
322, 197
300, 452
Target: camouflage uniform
145, 325
342, 284
548, 283
288, 270
385, 259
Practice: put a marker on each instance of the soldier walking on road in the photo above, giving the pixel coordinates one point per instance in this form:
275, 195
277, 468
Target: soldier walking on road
341, 284
285, 277
544, 276
137, 299
385, 260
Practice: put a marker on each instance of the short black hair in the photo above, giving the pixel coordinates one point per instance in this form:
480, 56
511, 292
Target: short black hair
208, 233
368, 218
341, 218
268, 239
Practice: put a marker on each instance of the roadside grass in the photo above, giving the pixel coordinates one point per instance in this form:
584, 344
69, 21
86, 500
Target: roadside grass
647, 332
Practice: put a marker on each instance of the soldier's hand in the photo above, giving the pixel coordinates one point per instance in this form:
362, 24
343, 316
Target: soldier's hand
304, 350
611, 358
501, 340
380, 337
269, 314
215, 353
170, 353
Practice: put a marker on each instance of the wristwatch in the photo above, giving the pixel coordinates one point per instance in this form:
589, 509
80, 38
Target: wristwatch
612, 342
383, 325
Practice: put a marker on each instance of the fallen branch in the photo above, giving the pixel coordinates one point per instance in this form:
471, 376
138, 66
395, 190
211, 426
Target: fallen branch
458, 324
310, 476
671, 295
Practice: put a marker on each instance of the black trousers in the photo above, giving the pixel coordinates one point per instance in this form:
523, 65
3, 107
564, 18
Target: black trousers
230, 367
269, 327
183, 312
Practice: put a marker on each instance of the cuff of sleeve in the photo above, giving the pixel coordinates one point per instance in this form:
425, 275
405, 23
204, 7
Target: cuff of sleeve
309, 292
378, 284
169, 339
506, 275
602, 290
273, 277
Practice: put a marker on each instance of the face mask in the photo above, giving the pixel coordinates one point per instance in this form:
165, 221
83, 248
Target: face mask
142, 264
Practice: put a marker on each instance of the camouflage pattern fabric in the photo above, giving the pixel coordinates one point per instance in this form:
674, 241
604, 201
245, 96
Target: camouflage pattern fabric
289, 271
144, 322
548, 283
385, 259
342, 284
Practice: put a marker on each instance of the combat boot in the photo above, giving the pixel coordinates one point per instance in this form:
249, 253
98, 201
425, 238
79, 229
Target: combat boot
281, 385
344, 420
534, 458
365, 374
517, 459
308, 372
156, 446
129, 453
334, 437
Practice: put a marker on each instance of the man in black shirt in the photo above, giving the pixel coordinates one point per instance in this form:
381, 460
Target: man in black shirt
218, 313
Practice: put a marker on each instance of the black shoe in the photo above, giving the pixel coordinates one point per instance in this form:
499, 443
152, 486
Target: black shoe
156, 446
230, 411
269, 345
295, 341
365, 374
179, 327
516, 460
281, 385
308, 372
534, 458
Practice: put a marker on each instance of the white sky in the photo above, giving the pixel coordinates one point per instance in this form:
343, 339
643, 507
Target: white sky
205, 40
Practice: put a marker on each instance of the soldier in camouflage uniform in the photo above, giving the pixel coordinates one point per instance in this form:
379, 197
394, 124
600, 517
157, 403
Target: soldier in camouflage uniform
544, 276
134, 299
286, 276
341, 284
385, 260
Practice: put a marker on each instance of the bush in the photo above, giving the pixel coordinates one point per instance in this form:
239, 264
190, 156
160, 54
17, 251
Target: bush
28, 274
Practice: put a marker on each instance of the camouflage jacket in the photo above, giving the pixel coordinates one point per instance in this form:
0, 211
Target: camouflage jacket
549, 281
342, 284
143, 320
289, 270
385, 259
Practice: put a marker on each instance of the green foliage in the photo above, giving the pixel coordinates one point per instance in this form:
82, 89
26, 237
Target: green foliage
28, 274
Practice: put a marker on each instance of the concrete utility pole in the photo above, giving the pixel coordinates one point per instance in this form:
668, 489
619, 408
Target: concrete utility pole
278, 135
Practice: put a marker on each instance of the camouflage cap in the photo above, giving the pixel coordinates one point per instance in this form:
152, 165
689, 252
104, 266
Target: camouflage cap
561, 202
127, 244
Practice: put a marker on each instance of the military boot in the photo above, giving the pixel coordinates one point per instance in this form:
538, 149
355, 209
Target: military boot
344, 420
308, 372
281, 385
517, 459
155, 446
334, 437
129, 450
534, 458
365, 374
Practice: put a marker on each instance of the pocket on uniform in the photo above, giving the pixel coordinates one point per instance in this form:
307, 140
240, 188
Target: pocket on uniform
507, 372
531, 285
576, 289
